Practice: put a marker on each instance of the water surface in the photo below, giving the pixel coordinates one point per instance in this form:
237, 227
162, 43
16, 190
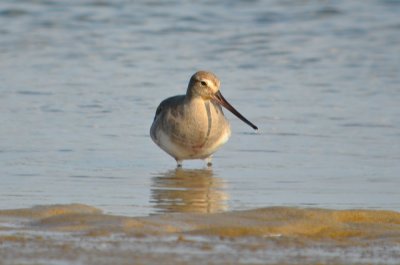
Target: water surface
81, 234
80, 82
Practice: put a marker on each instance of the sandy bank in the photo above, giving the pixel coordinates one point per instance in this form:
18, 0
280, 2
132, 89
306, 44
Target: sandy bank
277, 235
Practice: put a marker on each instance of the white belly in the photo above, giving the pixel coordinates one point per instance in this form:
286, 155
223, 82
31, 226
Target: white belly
195, 130
187, 151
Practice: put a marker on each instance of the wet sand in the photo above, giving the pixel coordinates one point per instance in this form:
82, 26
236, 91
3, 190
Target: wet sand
81, 234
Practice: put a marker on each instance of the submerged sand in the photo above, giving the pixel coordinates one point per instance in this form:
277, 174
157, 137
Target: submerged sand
81, 234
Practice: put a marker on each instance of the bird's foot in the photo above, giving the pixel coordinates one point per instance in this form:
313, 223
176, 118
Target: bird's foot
208, 161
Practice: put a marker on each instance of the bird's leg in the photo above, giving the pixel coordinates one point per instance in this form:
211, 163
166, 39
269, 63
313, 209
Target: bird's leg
178, 163
208, 161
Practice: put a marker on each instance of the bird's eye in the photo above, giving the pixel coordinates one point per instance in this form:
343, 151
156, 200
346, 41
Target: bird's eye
203, 83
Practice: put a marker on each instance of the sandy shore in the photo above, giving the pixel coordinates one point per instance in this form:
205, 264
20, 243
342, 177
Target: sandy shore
81, 234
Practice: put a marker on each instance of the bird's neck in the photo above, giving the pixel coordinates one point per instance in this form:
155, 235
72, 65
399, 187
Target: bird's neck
190, 95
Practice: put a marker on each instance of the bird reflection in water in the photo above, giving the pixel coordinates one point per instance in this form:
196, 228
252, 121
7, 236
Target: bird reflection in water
184, 190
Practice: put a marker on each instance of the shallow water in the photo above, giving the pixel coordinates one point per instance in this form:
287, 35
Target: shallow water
80, 82
81, 234
79, 85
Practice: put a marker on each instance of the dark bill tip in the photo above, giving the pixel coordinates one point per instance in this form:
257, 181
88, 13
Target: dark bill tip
221, 100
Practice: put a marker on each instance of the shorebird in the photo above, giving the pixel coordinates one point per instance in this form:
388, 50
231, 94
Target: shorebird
193, 126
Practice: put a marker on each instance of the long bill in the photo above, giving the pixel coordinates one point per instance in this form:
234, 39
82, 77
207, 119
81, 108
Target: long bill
221, 100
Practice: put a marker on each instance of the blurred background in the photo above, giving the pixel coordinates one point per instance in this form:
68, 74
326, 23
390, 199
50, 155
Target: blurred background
80, 82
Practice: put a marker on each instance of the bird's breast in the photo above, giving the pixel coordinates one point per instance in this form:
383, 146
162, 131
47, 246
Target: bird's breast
196, 130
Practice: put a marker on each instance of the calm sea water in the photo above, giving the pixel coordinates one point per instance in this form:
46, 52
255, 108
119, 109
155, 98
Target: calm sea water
80, 82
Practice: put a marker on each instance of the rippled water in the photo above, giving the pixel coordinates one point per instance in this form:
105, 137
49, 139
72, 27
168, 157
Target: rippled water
80, 82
